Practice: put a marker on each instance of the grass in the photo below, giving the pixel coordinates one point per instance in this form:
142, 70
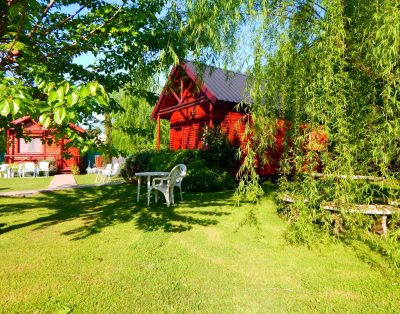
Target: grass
40, 183
97, 251
24, 184
88, 179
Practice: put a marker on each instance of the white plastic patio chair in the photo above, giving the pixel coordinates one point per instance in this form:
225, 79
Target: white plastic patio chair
29, 167
165, 185
114, 172
100, 177
182, 174
44, 166
20, 170
4, 170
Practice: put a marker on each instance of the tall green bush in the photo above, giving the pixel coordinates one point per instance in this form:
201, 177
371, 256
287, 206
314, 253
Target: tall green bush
209, 169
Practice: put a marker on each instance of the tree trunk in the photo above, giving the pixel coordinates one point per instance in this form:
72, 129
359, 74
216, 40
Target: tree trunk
107, 130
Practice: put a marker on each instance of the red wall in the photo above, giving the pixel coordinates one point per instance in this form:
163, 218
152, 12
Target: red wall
49, 151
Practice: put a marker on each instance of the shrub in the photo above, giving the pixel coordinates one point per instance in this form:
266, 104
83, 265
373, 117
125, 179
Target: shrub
75, 170
209, 169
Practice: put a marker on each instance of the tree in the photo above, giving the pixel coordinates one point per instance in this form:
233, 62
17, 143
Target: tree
132, 129
39, 42
326, 67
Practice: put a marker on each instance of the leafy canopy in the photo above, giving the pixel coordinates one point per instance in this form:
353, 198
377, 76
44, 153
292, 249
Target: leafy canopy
40, 41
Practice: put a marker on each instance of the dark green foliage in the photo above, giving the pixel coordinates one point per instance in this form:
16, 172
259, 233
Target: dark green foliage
201, 175
209, 169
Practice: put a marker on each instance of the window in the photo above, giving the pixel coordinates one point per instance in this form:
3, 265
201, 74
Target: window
33, 146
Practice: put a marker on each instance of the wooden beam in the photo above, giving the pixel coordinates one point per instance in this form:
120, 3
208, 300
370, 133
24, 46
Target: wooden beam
181, 90
183, 106
210, 114
158, 133
187, 90
175, 95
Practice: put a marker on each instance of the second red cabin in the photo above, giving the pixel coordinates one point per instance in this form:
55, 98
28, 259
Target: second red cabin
38, 147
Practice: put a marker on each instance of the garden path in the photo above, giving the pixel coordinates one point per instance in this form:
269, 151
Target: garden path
62, 181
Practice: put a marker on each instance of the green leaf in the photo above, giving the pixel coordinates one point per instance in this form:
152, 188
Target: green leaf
41, 84
5, 108
75, 98
60, 94
16, 104
21, 95
84, 92
52, 96
84, 149
67, 87
50, 86
104, 93
44, 119
93, 88
59, 115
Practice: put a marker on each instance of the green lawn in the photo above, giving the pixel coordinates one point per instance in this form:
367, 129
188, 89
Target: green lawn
40, 183
24, 184
88, 179
96, 251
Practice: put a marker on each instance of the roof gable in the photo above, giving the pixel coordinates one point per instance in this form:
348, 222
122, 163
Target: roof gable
215, 83
30, 123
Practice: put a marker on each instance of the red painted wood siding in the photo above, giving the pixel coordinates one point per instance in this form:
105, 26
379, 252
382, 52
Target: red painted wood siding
54, 150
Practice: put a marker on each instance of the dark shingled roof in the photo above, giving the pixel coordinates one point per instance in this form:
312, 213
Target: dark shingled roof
225, 85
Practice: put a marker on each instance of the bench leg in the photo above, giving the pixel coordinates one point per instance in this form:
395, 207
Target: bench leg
384, 228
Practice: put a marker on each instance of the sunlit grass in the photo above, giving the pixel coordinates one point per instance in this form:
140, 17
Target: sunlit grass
88, 179
97, 251
24, 184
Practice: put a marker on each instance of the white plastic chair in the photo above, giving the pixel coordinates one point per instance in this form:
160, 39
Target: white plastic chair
100, 177
114, 172
4, 170
182, 174
20, 170
29, 167
44, 166
109, 173
165, 185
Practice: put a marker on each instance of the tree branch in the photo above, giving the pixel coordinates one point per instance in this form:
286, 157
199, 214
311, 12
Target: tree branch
46, 10
91, 33
19, 31
61, 23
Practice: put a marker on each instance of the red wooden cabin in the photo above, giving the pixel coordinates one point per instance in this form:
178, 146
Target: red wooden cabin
18, 150
190, 103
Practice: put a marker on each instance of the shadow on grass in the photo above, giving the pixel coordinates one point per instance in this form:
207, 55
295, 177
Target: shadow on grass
101, 207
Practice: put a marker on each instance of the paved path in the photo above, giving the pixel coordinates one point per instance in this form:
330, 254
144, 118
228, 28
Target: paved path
62, 181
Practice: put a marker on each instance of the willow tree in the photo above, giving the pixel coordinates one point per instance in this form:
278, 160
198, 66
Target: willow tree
325, 67
133, 130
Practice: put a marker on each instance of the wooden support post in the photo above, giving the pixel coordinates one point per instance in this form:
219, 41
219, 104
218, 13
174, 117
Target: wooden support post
13, 146
211, 115
158, 132
181, 90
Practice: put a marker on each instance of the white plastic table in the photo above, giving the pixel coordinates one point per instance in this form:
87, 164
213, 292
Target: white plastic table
148, 175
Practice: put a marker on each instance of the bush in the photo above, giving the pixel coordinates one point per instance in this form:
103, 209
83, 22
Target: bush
75, 170
209, 169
